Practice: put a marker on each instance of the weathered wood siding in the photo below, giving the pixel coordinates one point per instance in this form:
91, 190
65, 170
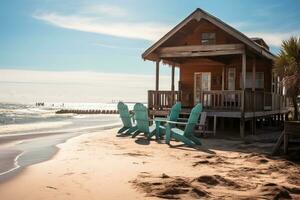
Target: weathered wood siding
191, 34
189, 68
187, 77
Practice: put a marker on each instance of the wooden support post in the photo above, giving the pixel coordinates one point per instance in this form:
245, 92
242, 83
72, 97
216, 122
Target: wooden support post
253, 125
173, 84
173, 79
242, 120
157, 76
285, 142
244, 61
254, 98
242, 127
254, 83
253, 74
223, 78
215, 125
157, 106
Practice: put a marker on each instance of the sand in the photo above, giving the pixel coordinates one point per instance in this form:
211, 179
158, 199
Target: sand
102, 166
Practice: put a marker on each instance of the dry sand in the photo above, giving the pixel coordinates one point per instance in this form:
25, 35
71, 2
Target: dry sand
103, 166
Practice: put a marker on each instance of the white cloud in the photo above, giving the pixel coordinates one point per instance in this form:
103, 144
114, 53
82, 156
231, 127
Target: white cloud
273, 39
105, 9
133, 30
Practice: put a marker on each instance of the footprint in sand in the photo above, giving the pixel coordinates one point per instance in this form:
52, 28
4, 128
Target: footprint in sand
216, 180
211, 160
209, 186
168, 187
51, 187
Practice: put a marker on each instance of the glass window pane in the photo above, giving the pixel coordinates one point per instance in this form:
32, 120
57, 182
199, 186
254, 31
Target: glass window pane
208, 38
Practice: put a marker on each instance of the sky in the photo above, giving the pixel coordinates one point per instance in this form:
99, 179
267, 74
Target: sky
27, 86
109, 36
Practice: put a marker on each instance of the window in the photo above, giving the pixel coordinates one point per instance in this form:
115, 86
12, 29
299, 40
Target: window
208, 38
259, 80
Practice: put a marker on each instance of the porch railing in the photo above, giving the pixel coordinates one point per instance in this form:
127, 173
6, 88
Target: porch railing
162, 99
258, 101
222, 100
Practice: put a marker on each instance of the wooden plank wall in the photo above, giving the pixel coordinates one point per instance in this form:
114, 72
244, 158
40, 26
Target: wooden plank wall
191, 34
188, 69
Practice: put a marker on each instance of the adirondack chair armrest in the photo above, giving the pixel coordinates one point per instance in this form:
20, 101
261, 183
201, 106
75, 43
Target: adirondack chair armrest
179, 123
160, 119
182, 119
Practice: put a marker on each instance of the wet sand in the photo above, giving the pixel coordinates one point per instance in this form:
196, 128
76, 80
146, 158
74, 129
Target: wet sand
100, 165
31, 145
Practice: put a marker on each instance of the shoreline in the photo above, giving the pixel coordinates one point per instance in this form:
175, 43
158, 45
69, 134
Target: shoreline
14, 158
100, 165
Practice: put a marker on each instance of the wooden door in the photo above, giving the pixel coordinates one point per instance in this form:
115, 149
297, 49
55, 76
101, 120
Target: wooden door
231, 83
231, 78
202, 82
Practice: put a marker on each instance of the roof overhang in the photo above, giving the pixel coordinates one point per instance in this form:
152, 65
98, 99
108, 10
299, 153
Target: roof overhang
200, 50
199, 14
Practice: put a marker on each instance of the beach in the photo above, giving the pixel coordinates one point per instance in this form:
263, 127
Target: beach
100, 165
30, 134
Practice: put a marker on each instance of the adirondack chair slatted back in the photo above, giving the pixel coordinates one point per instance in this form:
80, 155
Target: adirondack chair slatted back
124, 114
193, 119
175, 111
202, 118
141, 117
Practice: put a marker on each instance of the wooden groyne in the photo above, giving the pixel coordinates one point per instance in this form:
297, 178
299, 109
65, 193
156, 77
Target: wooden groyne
65, 111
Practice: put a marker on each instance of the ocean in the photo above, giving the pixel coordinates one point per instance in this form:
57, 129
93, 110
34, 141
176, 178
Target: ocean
29, 133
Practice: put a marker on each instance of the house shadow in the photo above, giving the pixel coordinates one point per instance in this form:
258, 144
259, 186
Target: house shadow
123, 135
195, 148
261, 143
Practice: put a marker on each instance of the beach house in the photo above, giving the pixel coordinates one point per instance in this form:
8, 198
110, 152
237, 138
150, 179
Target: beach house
231, 74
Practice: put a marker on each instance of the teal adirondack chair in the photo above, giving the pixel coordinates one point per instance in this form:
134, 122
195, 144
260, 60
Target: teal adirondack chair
142, 121
173, 116
186, 135
126, 118
175, 111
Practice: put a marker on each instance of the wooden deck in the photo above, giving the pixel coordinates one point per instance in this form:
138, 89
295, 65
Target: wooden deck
223, 103
243, 105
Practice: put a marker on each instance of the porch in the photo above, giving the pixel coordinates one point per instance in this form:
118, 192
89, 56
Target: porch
222, 103
229, 80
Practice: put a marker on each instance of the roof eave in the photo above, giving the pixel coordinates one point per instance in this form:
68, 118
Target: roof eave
198, 14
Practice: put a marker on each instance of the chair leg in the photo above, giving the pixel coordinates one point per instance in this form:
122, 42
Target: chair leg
196, 140
131, 130
123, 129
168, 135
149, 135
135, 134
188, 142
157, 129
